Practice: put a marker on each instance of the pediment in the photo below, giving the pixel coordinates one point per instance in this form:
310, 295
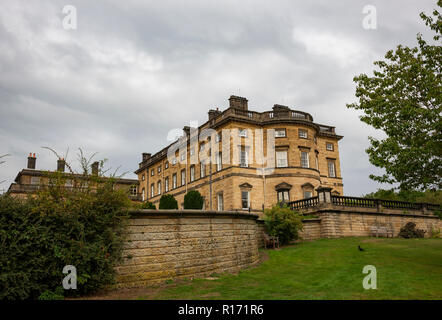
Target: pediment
246, 185
283, 185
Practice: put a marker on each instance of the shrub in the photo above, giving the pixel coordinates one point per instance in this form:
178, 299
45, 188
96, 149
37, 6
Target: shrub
82, 227
410, 231
282, 222
193, 200
148, 205
167, 201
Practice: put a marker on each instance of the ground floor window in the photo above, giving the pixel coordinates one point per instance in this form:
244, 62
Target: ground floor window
308, 194
220, 202
245, 199
283, 196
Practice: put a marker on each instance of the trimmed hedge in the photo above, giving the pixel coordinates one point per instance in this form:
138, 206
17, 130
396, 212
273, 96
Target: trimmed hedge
193, 200
167, 201
60, 227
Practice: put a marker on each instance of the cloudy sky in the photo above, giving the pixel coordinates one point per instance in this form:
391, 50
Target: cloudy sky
134, 70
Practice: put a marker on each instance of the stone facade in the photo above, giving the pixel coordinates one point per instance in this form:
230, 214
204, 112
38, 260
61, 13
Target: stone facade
311, 151
165, 244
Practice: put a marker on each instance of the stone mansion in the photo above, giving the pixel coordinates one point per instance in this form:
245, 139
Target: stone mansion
222, 160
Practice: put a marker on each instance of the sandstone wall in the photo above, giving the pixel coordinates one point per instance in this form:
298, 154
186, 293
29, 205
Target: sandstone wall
177, 244
311, 229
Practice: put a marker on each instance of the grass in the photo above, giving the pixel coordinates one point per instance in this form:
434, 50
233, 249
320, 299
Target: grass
327, 269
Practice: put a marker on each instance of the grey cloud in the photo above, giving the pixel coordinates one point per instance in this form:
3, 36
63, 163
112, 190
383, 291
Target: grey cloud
133, 70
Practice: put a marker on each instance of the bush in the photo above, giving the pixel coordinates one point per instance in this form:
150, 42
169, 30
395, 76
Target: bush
82, 227
410, 231
148, 205
167, 201
193, 200
282, 222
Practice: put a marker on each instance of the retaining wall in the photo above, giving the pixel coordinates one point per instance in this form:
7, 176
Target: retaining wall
175, 244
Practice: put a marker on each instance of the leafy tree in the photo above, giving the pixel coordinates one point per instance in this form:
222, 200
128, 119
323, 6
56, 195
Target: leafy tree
428, 196
283, 223
404, 99
167, 201
193, 200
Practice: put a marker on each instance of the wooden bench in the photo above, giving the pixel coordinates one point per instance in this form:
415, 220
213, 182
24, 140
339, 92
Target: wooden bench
270, 240
381, 231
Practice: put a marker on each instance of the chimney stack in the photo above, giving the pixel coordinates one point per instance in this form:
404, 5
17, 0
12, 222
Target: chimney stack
61, 164
238, 102
146, 156
95, 168
186, 129
31, 161
213, 113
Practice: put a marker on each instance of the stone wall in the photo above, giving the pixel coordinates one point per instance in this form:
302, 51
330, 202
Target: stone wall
335, 222
311, 229
176, 244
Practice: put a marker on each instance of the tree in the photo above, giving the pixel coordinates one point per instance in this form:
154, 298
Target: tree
404, 99
167, 201
193, 200
283, 223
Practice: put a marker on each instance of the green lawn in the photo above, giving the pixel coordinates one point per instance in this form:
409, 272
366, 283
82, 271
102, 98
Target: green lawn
327, 269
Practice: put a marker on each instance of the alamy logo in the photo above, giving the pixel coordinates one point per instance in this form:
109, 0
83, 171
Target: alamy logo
370, 20
369, 281
70, 20
70, 281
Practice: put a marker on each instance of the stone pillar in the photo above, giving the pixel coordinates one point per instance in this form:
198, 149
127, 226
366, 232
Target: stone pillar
324, 194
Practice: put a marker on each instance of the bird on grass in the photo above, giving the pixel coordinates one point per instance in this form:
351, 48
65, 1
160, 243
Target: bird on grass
360, 249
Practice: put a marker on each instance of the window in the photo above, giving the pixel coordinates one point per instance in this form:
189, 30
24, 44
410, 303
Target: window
219, 162
159, 169
220, 202
152, 172
192, 151
152, 190
69, 183
203, 169
133, 190
142, 194
302, 133
308, 194
329, 146
280, 133
202, 146
192, 173
281, 159
183, 177
245, 199
166, 184
243, 133
174, 161
35, 180
159, 187
243, 157
304, 160
317, 162
174, 181
183, 157
218, 137
143, 177
166, 165
331, 169
283, 195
